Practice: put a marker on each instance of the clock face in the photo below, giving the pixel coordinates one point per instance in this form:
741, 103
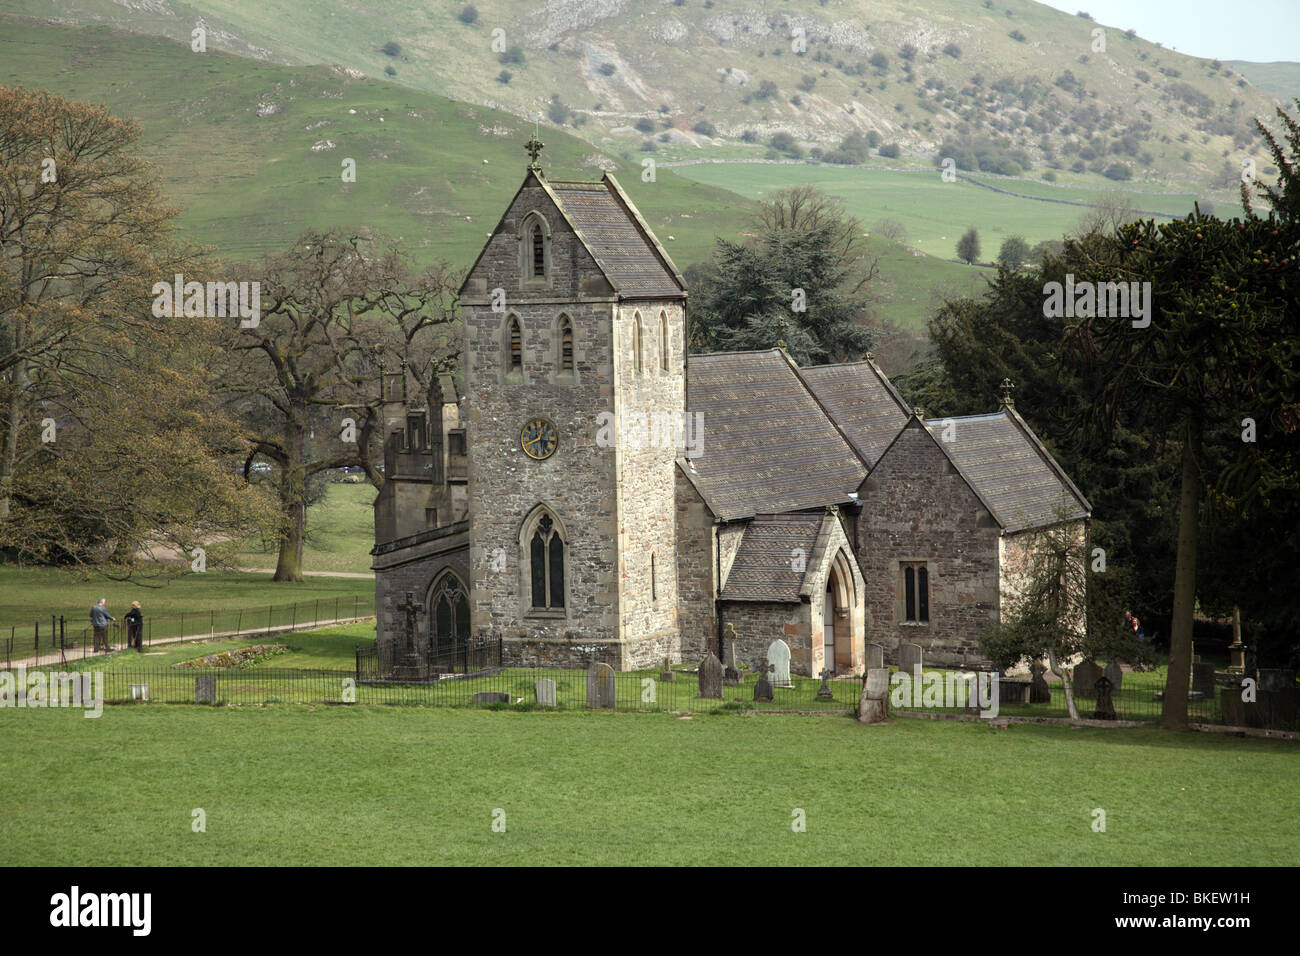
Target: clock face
538, 438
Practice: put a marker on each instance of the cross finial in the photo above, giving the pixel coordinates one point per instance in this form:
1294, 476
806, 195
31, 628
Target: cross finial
533, 147
1007, 387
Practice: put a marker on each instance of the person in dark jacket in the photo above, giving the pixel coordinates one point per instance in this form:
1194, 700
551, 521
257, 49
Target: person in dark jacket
99, 618
135, 627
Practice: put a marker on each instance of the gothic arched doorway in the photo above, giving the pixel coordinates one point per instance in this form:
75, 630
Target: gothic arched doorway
448, 614
837, 628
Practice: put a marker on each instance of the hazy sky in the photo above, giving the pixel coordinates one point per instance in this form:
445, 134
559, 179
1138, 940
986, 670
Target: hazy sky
1259, 30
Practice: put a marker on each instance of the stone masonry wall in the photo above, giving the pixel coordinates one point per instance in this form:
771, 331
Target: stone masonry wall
916, 507
696, 585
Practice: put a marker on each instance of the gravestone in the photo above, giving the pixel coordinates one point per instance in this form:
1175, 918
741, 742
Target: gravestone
824, 692
205, 689
491, 697
1277, 698
875, 656
873, 705
668, 674
139, 691
544, 692
909, 658
1232, 707
1039, 692
763, 689
1086, 675
730, 675
1202, 680
778, 658
711, 677
600, 686
1115, 674
1105, 708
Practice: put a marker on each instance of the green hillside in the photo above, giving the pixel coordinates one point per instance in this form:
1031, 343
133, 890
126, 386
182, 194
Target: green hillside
1029, 79
1279, 78
934, 212
252, 151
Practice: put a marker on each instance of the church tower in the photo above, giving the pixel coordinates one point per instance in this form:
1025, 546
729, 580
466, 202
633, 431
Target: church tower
574, 359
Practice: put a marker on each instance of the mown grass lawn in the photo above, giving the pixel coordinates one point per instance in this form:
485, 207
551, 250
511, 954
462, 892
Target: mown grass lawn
340, 533
212, 600
296, 785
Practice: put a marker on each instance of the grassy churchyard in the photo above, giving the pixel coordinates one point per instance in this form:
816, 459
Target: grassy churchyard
295, 785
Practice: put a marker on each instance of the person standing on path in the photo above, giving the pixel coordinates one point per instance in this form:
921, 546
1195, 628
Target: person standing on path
99, 618
134, 627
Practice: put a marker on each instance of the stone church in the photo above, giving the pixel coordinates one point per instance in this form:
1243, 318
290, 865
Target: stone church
597, 493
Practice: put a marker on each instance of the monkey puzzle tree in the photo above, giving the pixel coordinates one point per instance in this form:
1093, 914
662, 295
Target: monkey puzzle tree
1219, 350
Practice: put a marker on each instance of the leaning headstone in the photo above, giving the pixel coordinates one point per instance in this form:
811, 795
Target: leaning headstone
205, 689
909, 658
873, 705
544, 692
875, 656
491, 697
1039, 692
824, 692
600, 686
1115, 674
1086, 675
1105, 708
1202, 680
711, 677
763, 689
778, 658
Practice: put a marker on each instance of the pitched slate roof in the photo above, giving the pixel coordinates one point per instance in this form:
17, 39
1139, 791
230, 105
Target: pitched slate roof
1006, 464
768, 447
862, 402
764, 569
618, 238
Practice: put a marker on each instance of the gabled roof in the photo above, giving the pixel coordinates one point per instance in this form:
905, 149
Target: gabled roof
764, 568
1010, 470
612, 230
862, 401
768, 446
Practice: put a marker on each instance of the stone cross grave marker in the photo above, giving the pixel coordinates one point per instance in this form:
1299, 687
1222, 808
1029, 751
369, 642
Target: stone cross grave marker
410, 608
763, 689
544, 692
711, 677
1105, 708
668, 673
1039, 692
824, 692
778, 656
600, 686
875, 656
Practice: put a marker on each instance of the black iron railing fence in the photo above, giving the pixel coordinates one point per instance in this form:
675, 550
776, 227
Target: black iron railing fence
75, 640
427, 660
569, 689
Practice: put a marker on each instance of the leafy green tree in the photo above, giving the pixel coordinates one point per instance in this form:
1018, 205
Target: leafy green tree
968, 246
1013, 253
1220, 348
